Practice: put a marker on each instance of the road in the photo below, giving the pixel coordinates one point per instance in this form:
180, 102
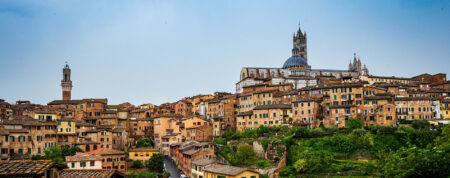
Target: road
171, 168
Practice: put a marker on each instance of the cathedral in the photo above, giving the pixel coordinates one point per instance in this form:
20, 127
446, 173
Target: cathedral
296, 70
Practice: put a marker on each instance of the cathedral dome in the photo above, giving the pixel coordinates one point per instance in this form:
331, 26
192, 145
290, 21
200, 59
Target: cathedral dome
295, 61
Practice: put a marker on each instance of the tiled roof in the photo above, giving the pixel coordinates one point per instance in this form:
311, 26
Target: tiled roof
139, 110
170, 115
88, 173
308, 99
106, 151
204, 161
273, 106
190, 152
58, 102
26, 168
144, 149
83, 157
248, 113
225, 169
96, 100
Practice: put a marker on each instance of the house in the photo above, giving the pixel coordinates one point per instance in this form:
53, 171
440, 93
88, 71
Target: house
84, 161
197, 167
226, 171
142, 154
111, 159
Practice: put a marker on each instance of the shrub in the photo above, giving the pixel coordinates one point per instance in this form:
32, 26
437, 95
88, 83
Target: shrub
359, 132
354, 123
220, 141
263, 163
317, 132
265, 143
137, 164
301, 132
332, 130
420, 124
287, 171
386, 130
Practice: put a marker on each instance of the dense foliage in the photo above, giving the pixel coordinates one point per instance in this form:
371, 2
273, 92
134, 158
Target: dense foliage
137, 164
156, 163
412, 150
144, 142
415, 151
57, 154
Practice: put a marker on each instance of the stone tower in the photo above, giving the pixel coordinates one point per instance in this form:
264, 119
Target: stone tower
66, 83
300, 43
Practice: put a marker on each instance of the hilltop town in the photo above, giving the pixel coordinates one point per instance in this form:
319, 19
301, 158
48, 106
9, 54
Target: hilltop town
261, 130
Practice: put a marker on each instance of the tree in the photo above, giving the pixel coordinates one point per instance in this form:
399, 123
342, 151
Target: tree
418, 162
136, 164
156, 163
420, 124
354, 123
144, 142
54, 154
143, 174
301, 132
57, 154
245, 156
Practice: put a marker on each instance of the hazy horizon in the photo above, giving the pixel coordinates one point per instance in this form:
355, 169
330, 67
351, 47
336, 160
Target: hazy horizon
161, 51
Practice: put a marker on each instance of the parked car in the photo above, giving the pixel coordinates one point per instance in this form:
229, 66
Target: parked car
183, 176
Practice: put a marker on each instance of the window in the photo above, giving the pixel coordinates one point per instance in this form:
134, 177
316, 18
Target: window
82, 164
73, 165
92, 163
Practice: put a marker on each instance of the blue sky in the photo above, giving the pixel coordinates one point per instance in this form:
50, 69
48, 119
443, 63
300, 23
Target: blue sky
161, 51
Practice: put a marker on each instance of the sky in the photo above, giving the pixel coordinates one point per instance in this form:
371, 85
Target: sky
161, 51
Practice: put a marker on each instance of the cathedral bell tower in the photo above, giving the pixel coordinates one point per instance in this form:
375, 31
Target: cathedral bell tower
66, 83
300, 43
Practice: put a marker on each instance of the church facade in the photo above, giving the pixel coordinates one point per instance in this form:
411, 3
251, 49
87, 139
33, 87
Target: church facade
296, 70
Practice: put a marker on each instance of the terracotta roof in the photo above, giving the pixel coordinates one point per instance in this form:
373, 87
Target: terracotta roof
68, 102
139, 110
106, 151
26, 168
265, 91
83, 157
145, 149
273, 106
412, 98
226, 169
17, 130
248, 113
203, 162
88, 173
308, 99
389, 77
190, 152
96, 100
118, 130
170, 115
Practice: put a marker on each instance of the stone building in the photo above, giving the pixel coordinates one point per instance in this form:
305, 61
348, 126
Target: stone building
296, 70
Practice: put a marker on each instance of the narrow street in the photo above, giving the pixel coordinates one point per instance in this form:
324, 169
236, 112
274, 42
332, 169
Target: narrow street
171, 168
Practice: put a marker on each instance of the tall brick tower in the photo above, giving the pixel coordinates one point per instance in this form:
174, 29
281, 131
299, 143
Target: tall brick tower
66, 83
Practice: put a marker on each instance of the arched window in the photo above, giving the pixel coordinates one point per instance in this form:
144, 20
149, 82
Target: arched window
243, 75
